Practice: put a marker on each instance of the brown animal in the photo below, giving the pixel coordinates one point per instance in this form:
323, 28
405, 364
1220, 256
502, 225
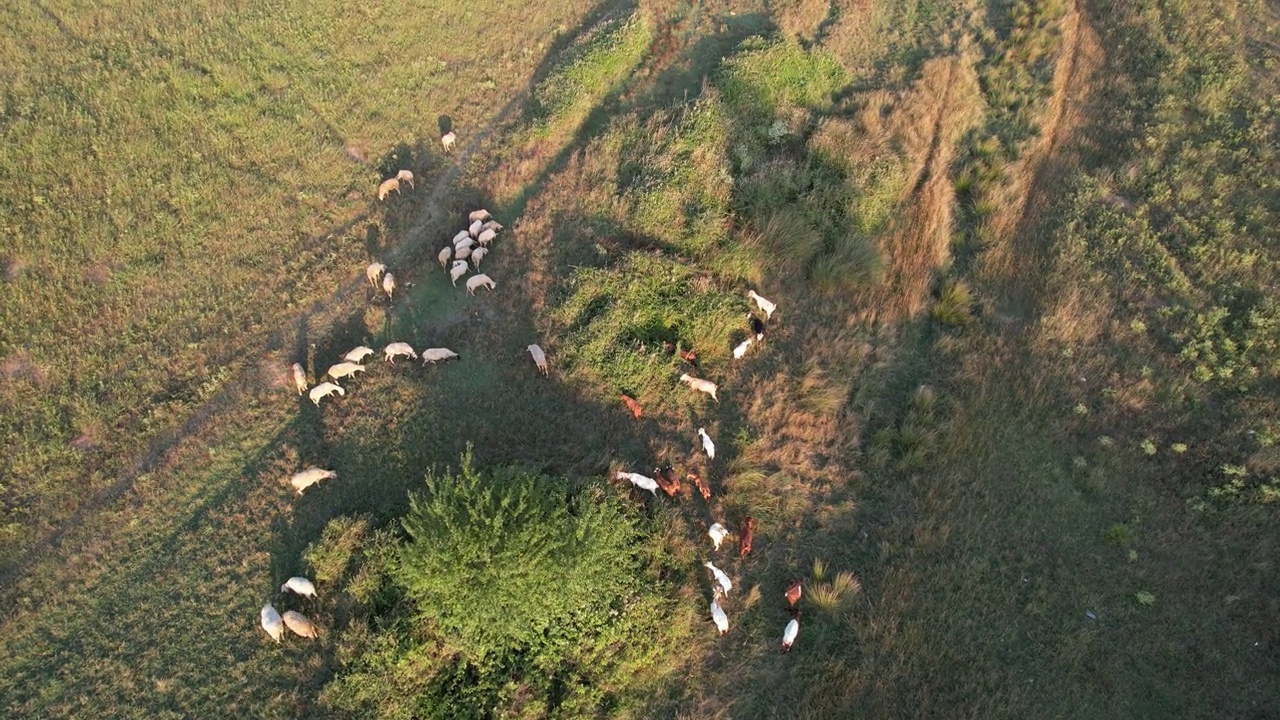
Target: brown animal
690, 357
667, 480
744, 540
632, 405
702, 486
669, 346
793, 593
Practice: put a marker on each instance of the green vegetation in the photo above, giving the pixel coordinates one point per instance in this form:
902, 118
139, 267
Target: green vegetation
593, 68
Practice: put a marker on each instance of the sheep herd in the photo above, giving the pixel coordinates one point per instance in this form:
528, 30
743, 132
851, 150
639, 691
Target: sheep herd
462, 254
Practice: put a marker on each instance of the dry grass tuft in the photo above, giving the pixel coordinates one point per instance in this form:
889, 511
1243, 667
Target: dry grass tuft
830, 596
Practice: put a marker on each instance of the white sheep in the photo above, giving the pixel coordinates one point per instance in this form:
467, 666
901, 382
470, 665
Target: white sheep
271, 621
304, 479
741, 350
478, 254
765, 306
299, 378
480, 215
721, 578
474, 230
640, 481
463, 253
387, 186
373, 272
299, 585
458, 270
700, 385
323, 390
466, 242
462, 235
707, 445
300, 625
405, 176
396, 349
491, 225
431, 355
486, 236
539, 357
445, 254
448, 139
718, 615
477, 281
718, 533
345, 369
358, 354
389, 284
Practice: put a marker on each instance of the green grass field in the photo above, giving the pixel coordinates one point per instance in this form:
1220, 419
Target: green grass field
1014, 424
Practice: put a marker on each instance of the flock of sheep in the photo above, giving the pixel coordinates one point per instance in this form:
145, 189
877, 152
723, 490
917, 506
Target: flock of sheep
466, 250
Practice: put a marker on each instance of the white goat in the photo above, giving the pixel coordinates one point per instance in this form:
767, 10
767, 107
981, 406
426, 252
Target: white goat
718, 533
539, 357
299, 585
388, 284
481, 215
358, 354
323, 390
707, 445
458, 270
640, 481
405, 176
741, 350
474, 230
387, 186
717, 614
766, 306
477, 255
486, 236
700, 385
299, 378
477, 281
373, 272
300, 625
345, 369
448, 139
725, 584
396, 349
306, 478
271, 622
431, 355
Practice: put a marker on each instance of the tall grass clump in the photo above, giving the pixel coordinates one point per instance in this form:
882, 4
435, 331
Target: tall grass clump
767, 79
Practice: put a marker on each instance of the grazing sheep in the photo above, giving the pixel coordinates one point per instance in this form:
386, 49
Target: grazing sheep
300, 625
480, 215
640, 481
405, 176
791, 631
703, 489
345, 369
721, 578
398, 348
707, 445
477, 281
301, 586
323, 390
306, 478
373, 272
632, 405
700, 385
463, 253
458, 270
474, 230
271, 622
744, 540
741, 350
387, 186
477, 255
491, 225
757, 326
486, 236
432, 355
389, 284
358, 354
466, 242
539, 357
717, 615
718, 533
448, 139
299, 378
765, 306
462, 235
793, 593
444, 256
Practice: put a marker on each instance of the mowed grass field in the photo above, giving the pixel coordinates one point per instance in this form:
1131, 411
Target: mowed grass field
1013, 424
